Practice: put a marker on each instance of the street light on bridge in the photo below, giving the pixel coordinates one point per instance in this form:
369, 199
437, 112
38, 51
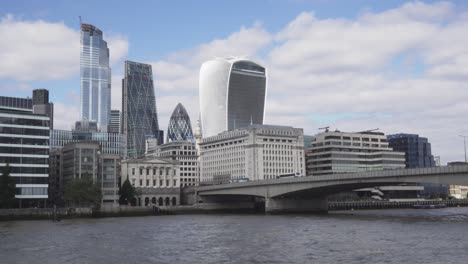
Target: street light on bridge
464, 143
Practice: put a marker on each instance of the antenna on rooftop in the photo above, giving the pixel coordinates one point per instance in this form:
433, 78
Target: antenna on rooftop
324, 128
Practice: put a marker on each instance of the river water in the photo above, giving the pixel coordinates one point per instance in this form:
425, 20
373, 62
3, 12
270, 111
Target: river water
379, 236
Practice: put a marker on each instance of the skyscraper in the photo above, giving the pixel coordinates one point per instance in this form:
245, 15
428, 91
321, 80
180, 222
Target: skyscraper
179, 128
232, 94
95, 76
114, 122
139, 115
417, 149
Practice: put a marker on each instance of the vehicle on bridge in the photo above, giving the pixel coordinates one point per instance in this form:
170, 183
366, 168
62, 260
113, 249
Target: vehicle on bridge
289, 175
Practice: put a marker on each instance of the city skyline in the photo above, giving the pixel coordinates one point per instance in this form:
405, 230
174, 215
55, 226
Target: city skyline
410, 81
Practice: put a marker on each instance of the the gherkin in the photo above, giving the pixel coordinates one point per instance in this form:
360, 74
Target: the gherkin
179, 128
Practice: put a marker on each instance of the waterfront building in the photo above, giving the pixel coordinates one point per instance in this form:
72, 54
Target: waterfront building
343, 152
115, 120
417, 149
24, 145
85, 159
95, 77
139, 115
256, 152
417, 155
156, 179
111, 143
186, 153
180, 128
458, 191
232, 94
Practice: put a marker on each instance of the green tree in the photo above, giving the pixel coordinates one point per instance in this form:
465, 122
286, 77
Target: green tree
82, 192
127, 194
7, 189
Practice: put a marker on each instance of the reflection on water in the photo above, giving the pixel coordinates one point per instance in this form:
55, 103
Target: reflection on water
385, 236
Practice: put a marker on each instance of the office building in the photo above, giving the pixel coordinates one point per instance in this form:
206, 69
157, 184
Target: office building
418, 155
180, 128
42, 106
85, 159
417, 149
343, 152
156, 179
256, 152
111, 143
115, 120
232, 94
139, 115
95, 77
186, 153
24, 145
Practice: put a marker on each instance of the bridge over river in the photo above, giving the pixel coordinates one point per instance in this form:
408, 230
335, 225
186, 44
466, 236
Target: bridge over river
303, 194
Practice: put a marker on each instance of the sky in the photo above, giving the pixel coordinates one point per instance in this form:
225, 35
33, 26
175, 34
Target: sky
400, 66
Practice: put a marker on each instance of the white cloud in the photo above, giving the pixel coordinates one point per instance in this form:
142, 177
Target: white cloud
41, 50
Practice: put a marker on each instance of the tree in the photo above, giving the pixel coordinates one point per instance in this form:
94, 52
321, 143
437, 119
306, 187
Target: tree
7, 189
127, 194
82, 192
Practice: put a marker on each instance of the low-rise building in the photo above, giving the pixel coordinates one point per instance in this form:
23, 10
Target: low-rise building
256, 152
157, 180
342, 152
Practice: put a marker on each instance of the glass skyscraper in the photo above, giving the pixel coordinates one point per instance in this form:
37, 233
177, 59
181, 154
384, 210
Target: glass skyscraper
95, 76
139, 115
179, 128
232, 94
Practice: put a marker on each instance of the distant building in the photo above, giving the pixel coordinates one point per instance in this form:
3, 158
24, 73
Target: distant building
95, 77
139, 115
418, 154
85, 159
344, 152
232, 94
114, 123
24, 145
111, 143
186, 153
458, 191
256, 152
180, 128
157, 179
417, 149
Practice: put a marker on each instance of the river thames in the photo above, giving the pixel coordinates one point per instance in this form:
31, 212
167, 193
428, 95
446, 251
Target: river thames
378, 236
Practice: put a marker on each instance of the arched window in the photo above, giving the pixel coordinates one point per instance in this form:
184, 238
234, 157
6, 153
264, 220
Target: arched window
174, 201
160, 201
146, 201
153, 200
167, 201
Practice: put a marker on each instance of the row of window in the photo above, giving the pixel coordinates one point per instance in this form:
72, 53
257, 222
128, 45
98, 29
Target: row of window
31, 191
155, 170
20, 160
24, 131
161, 183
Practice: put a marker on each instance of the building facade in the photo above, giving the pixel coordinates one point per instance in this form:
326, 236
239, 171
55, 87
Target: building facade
343, 152
24, 146
85, 159
139, 115
95, 77
186, 153
232, 94
417, 149
156, 179
111, 143
115, 121
256, 152
458, 191
180, 128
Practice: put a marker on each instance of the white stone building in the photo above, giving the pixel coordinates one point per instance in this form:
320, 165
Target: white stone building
256, 152
342, 152
157, 180
186, 153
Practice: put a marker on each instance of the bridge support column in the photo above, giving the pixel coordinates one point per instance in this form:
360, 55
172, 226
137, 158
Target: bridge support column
287, 205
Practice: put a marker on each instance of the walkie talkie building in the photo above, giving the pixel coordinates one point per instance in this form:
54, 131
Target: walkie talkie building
232, 94
179, 128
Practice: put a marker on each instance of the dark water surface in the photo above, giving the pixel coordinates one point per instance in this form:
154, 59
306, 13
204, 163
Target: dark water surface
381, 236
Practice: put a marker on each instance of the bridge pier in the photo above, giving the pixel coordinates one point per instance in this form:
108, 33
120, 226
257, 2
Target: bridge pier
288, 205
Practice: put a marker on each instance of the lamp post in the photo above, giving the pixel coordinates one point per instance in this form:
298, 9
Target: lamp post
464, 143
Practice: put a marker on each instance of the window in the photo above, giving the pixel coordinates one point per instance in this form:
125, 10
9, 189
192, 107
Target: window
147, 171
175, 182
167, 183
141, 182
141, 171
133, 171
160, 182
147, 182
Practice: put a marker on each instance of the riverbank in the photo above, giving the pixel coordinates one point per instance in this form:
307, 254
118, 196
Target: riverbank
369, 205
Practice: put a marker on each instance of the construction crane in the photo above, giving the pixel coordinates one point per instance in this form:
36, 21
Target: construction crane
324, 128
